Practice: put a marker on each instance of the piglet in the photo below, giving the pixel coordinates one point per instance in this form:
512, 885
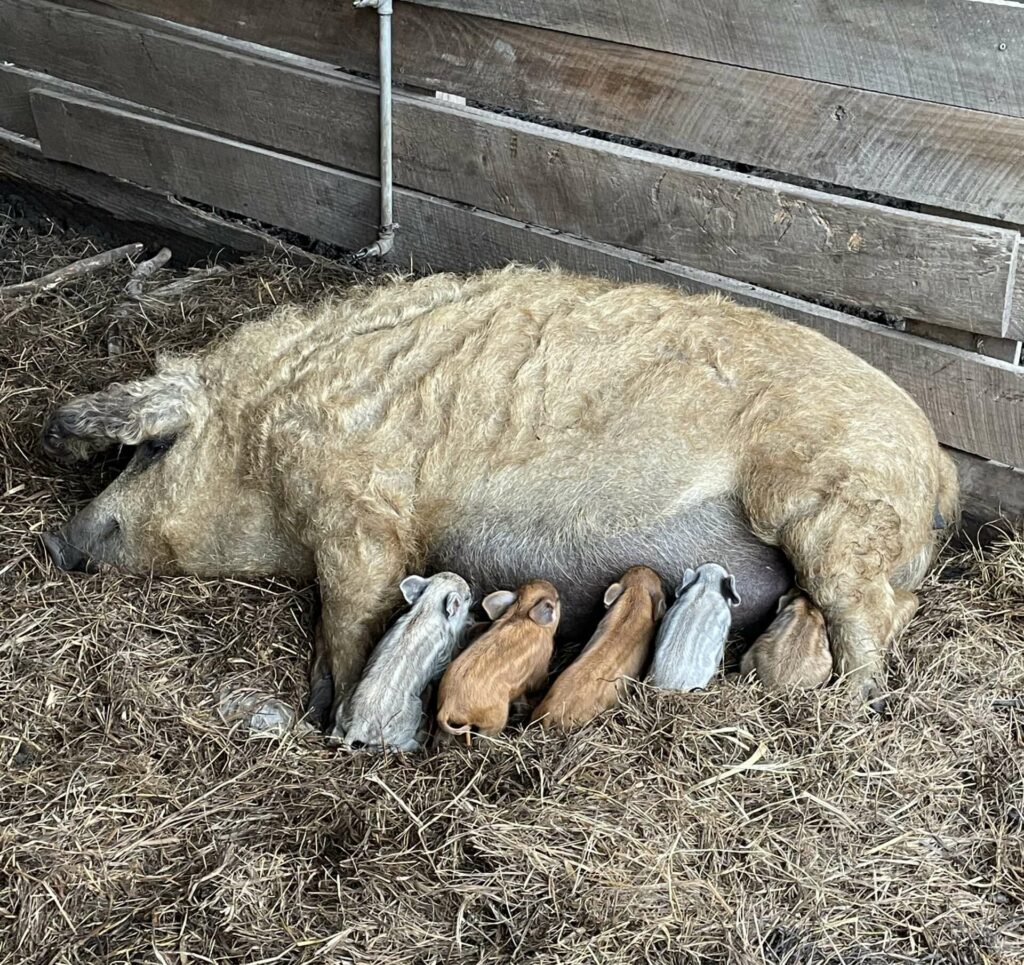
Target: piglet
509, 660
793, 652
386, 708
616, 652
691, 639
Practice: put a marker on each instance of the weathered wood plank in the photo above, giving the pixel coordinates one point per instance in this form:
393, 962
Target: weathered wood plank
961, 52
976, 404
1015, 329
298, 195
1004, 349
990, 491
936, 155
933, 154
15, 109
142, 214
783, 237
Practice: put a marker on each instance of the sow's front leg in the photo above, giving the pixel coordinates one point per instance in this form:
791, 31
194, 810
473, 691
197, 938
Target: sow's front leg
358, 590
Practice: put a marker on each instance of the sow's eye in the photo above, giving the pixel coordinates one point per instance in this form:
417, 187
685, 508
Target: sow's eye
152, 450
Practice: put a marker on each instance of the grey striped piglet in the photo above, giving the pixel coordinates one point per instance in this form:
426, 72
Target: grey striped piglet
386, 709
691, 638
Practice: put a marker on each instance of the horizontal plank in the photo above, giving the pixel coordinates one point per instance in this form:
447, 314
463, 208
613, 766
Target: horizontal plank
961, 52
191, 233
787, 238
989, 491
948, 157
1004, 349
976, 404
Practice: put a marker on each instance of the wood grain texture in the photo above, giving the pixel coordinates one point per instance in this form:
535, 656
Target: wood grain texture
139, 213
15, 110
1004, 349
976, 404
933, 154
959, 52
964, 160
990, 491
787, 238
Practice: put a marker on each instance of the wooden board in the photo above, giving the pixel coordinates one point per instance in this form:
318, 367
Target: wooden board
976, 404
15, 109
142, 215
962, 52
947, 157
783, 237
989, 491
933, 154
1004, 349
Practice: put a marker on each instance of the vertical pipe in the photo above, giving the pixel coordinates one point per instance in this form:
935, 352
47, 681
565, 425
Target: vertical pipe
386, 236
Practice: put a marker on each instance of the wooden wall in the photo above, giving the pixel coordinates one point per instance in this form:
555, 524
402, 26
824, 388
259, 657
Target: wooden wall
859, 171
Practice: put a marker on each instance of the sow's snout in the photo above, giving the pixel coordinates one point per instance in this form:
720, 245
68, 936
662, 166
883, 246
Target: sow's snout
83, 543
65, 556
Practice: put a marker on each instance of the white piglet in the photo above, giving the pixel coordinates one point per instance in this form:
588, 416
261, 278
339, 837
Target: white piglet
691, 639
386, 710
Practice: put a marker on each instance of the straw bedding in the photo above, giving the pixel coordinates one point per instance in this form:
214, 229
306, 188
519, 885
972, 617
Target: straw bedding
727, 826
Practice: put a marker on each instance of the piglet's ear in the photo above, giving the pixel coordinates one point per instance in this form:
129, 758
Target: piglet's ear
496, 603
659, 607
452, 604
612, 594
412, 588
729, 591
689, 578
545, 613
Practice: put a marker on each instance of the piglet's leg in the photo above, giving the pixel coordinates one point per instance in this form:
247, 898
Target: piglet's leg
358, 590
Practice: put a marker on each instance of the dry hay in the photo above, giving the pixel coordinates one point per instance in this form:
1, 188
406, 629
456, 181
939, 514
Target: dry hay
728, 826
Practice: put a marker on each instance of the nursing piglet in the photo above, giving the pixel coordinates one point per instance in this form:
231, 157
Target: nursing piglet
616, 652
508, 661
691, 639
386, 708
793, 651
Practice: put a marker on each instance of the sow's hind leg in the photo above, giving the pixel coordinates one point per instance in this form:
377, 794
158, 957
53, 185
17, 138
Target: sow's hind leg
846, 544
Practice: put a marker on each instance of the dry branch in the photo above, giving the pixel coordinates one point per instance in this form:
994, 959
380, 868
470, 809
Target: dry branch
144, 270
67, 274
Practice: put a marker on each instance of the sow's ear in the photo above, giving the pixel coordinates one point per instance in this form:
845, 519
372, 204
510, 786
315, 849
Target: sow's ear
162, 405
496, 603
412, 588
729, 591
544, 613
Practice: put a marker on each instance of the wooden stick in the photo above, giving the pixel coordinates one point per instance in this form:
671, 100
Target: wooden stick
143, 270
67, 274
183, 285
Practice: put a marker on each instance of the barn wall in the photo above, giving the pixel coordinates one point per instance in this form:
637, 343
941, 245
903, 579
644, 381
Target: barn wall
861, 173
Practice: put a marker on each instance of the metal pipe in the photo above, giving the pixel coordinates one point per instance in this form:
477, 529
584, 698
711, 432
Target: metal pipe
386, 235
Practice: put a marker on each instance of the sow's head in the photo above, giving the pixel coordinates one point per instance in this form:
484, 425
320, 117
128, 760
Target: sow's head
182, 505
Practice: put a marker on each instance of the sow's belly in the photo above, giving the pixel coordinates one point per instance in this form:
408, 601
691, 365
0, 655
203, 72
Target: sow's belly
500, 553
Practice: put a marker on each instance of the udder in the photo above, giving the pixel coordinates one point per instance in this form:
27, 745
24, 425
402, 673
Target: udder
498, 553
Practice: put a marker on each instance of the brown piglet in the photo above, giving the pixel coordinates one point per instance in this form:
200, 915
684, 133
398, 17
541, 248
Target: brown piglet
794, 651
509, 660
617, 651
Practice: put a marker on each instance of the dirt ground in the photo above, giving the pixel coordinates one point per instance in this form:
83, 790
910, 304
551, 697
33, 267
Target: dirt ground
725, 826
